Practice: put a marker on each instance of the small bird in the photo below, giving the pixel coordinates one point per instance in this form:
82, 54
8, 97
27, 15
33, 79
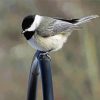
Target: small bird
49, 34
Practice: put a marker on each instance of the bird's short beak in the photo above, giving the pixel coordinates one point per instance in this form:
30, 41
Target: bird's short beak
22, 32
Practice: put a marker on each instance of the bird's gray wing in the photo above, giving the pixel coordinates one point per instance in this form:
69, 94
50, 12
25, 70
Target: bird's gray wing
62, 26
53, 26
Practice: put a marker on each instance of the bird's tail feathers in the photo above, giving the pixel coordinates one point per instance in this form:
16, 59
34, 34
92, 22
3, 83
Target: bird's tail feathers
86, 19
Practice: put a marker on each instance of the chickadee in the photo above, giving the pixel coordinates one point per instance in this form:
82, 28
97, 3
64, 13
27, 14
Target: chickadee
49, 34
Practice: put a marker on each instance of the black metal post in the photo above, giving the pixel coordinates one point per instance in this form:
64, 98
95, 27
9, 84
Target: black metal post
43, 60
45, 67
33, 78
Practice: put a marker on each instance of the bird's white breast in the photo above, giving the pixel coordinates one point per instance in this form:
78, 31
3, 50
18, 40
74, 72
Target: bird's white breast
47, 43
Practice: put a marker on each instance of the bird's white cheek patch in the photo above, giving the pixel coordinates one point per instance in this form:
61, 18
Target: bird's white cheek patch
36, 23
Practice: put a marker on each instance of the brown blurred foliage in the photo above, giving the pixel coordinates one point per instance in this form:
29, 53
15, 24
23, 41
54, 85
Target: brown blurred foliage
75, 68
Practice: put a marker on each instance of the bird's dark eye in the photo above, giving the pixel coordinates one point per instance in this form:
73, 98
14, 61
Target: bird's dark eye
27, 21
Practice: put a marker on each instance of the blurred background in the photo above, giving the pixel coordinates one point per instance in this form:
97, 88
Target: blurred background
75, 68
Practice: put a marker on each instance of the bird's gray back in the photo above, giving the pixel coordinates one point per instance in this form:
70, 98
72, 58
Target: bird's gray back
51, 26
46, 27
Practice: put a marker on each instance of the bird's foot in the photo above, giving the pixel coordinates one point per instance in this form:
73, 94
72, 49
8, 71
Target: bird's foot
44, 55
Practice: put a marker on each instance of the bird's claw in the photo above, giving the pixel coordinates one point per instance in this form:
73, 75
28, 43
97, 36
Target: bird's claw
44, 55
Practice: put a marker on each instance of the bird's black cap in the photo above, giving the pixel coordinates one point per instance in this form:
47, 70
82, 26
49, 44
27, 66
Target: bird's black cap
27, 21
